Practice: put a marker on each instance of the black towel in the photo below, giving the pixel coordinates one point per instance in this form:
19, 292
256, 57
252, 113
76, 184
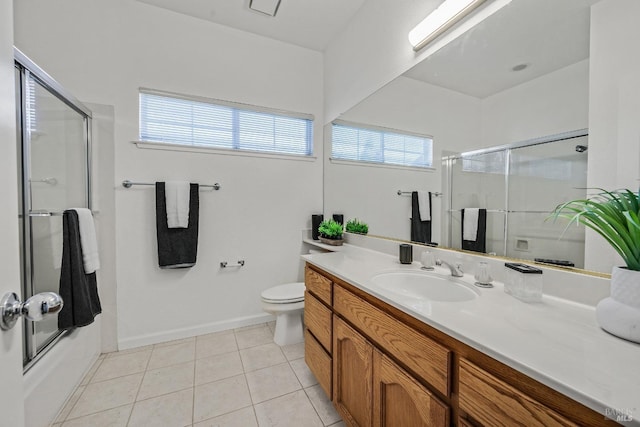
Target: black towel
420, 230
177, 247
480, 244
78, 290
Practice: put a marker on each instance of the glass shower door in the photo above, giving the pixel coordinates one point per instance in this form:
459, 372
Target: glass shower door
541, 177
54, 178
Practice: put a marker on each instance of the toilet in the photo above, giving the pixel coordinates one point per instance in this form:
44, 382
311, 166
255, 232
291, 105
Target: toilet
286, 302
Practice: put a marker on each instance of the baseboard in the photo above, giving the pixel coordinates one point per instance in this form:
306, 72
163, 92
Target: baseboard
176, 334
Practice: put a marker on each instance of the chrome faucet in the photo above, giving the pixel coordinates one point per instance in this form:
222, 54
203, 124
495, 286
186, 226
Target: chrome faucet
456, 270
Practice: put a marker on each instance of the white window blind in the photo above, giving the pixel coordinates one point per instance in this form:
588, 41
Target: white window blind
378, 145
182, 120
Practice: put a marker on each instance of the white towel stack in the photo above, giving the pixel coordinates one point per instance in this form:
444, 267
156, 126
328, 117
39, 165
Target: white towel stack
470, 224
88, 241
178, 196
424, 204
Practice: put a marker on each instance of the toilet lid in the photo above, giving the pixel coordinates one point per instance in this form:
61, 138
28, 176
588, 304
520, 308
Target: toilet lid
291, 292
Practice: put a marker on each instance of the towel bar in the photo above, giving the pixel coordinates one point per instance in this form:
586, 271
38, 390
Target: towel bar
434, 193
224, 264
128, 184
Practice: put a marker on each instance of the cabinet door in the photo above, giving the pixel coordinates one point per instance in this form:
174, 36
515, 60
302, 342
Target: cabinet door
352, 374
400, 401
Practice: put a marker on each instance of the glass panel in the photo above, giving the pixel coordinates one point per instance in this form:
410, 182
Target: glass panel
57, 181
541, 177
478, 181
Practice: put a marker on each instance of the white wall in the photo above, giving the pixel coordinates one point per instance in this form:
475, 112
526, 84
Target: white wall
614, 109
103, 52
554, 103
370, 193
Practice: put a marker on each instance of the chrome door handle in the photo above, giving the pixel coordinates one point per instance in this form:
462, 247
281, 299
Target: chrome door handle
35, 308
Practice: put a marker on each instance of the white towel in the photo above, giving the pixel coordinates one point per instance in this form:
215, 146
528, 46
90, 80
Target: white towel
424, 203
88, 240
470, 224
178, 196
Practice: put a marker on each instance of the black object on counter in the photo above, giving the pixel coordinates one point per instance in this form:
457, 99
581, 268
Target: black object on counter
406, 253
339, 218
315, 223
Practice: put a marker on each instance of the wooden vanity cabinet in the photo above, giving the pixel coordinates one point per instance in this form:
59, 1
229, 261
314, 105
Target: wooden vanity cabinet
382, 367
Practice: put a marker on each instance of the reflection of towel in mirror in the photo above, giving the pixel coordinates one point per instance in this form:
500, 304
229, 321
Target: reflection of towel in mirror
78, 290
177, 198
420, 230
177, 247
424, 202
476, 220
88, 240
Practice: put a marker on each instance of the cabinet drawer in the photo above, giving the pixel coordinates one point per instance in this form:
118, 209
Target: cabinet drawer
318, 361
317, 319
318, 285
425, 357
491, 401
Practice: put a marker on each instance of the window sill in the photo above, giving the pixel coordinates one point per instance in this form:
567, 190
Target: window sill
380, 165
221, 151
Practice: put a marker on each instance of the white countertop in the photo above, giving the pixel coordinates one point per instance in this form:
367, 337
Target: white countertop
556, 341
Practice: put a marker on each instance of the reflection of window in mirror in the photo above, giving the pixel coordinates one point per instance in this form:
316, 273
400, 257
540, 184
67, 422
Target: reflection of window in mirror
372, 144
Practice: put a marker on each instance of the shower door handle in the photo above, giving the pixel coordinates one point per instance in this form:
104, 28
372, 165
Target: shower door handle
35, 308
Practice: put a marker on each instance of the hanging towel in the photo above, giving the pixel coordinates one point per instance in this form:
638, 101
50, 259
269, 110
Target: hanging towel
177, 197
477, 220
420, 230
177, 247
88, 241
424, 202
78, 290
470, 224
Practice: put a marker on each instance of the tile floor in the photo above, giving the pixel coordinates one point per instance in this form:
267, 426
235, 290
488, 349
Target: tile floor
230, 378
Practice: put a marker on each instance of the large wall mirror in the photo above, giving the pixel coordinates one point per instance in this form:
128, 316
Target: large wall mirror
512, 94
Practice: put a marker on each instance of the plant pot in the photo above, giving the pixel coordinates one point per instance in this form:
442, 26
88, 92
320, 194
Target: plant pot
332, 242
620, 313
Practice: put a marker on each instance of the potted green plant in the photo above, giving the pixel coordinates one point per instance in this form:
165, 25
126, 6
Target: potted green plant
355, 226
614, 215
330, 232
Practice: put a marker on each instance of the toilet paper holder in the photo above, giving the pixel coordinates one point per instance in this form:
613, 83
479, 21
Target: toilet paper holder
225, 264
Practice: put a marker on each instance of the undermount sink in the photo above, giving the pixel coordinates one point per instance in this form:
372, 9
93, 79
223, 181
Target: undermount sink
424, 286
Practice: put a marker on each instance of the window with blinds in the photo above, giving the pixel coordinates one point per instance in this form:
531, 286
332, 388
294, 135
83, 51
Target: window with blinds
379, 145
175, 119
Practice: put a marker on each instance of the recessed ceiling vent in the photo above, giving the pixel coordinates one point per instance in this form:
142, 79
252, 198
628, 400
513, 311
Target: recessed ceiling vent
266, 7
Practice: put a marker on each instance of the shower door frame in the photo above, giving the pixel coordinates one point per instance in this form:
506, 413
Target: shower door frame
450, 160
28, 68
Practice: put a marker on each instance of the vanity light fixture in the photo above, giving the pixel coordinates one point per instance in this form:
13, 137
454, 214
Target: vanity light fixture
440, 20
266, 7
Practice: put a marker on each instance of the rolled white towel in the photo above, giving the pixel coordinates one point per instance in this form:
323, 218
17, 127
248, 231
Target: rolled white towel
177, 196
470, 224
88, 241
424, 203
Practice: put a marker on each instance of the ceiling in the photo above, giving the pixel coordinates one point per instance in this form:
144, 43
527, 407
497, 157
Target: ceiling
307, 23
545, 34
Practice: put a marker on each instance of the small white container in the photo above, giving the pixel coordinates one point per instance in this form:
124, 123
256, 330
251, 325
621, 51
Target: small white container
523, 282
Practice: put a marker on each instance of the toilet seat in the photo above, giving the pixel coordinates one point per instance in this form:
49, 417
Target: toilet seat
284, 294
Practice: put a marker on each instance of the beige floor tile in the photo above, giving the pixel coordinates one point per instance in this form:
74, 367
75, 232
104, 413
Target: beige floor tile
116, 417
91, 372
261, 356
339, 424
323, 405
128, 351
175, 342
246, 328
218, 367
242, 418
108, 394
120, 366
291, 410
272, 326
293, 351
220, 397
218, 343
166, 380
172, 355
267, 383
253, 337
169, 410
304, 374
69, 405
